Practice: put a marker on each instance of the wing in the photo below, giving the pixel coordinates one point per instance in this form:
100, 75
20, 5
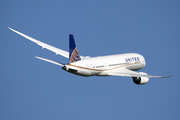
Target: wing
128, 73
44, 45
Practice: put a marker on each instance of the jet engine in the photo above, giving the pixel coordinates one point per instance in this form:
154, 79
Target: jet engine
140, 80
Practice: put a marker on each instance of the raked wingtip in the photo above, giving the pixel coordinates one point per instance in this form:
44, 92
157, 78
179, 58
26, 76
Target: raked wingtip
11, 29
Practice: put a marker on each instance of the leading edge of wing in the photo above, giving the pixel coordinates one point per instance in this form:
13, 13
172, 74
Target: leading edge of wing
44, 45
129, 73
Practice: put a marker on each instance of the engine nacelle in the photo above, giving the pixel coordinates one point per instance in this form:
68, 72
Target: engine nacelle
140, 80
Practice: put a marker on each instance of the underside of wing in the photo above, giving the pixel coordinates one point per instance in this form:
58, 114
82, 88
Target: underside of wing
128, 73
44, 45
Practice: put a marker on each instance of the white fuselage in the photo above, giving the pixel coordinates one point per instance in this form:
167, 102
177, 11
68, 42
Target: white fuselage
101, 66
116, 65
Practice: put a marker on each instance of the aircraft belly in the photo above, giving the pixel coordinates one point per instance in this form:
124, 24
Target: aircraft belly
80, 71
135, 67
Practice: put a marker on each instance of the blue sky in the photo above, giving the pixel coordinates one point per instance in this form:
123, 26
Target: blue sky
34, 89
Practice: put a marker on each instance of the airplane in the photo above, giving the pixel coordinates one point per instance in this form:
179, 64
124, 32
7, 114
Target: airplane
123, 65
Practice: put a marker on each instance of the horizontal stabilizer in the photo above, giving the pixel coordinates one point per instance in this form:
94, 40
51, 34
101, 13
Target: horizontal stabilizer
47, 60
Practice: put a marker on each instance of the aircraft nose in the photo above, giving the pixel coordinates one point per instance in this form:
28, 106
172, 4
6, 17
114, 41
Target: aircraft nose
143, 62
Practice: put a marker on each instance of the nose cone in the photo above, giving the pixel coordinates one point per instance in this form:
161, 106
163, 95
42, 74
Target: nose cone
143, 61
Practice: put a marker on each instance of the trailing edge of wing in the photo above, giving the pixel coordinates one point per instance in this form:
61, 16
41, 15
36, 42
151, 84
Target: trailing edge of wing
44, 45
129, 73
49, 47
47, 60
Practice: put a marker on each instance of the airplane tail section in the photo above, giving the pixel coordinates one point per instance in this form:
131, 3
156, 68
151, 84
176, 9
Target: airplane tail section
73, 52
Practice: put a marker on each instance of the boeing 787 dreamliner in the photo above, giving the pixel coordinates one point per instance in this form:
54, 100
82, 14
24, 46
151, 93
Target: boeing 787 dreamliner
118, 65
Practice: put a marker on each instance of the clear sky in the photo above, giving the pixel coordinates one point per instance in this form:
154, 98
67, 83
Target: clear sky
31, 89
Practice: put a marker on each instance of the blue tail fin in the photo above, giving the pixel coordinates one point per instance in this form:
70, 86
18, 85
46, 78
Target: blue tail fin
73, 52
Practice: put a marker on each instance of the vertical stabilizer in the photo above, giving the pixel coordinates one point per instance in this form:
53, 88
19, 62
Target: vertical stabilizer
73, 52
